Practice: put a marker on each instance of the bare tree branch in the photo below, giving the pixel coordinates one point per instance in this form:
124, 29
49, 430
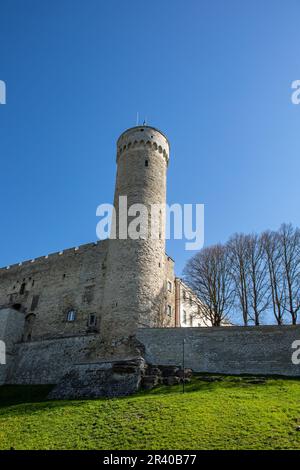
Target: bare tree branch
208, 274
289, 239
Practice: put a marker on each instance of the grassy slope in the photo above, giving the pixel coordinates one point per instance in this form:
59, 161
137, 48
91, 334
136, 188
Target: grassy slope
231, 414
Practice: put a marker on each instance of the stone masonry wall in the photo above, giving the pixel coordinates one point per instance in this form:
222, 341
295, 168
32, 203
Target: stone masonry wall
45, 289
11, 330
47, 361
227, 350
54, 284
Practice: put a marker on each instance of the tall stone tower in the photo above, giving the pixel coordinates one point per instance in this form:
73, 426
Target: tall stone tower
135, 270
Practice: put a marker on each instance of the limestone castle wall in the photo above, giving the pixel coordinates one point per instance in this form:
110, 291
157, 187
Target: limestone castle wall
41, 345
46, 289
263, 350
228, 350
47, 361
11, 332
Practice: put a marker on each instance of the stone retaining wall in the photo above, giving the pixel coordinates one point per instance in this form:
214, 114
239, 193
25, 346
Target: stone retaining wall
227, 350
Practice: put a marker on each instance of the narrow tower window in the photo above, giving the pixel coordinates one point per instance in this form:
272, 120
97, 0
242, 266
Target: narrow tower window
146, 163
71, 315
92, 319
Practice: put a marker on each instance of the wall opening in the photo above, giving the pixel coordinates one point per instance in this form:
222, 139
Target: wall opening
17, 307
22, 288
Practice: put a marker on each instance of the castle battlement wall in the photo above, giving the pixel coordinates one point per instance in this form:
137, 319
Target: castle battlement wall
143, 137
51, 257
48, 288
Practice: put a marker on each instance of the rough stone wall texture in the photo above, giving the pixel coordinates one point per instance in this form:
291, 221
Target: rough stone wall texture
54, 284
46, 288
11, 331
47, 361
135, 280
99, 380
228, 350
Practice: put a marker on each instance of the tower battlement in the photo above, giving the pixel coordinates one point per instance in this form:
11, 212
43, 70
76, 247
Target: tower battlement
143, 136
49, 257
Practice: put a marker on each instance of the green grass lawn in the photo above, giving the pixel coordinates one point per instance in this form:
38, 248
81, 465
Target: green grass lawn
229, 414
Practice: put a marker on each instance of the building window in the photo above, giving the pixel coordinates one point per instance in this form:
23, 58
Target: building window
92, 319
184, 317
169, 310
146, 163
71, 315
169, 286
191, 320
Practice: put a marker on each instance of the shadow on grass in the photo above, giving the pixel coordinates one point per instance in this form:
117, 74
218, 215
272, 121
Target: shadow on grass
18, 394
34, 397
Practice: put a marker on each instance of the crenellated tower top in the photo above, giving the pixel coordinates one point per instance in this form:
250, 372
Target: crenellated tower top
147, 136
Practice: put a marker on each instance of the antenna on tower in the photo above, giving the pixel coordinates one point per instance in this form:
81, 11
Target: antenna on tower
137, 118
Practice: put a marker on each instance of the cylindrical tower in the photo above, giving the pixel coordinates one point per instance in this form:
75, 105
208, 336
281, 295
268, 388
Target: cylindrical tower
135, 273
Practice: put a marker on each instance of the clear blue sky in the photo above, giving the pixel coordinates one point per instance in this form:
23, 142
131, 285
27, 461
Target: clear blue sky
214, 76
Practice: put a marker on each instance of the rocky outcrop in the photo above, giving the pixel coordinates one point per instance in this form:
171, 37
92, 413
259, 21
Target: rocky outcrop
164, 375
116, 379
106, 379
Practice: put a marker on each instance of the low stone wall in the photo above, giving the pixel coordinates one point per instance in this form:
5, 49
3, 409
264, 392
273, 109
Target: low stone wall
227, 350
46, 362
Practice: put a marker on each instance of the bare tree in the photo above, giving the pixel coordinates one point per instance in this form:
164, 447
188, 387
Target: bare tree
239, 262
208, 274
277, 280
257, 274
289, 239
258, 289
